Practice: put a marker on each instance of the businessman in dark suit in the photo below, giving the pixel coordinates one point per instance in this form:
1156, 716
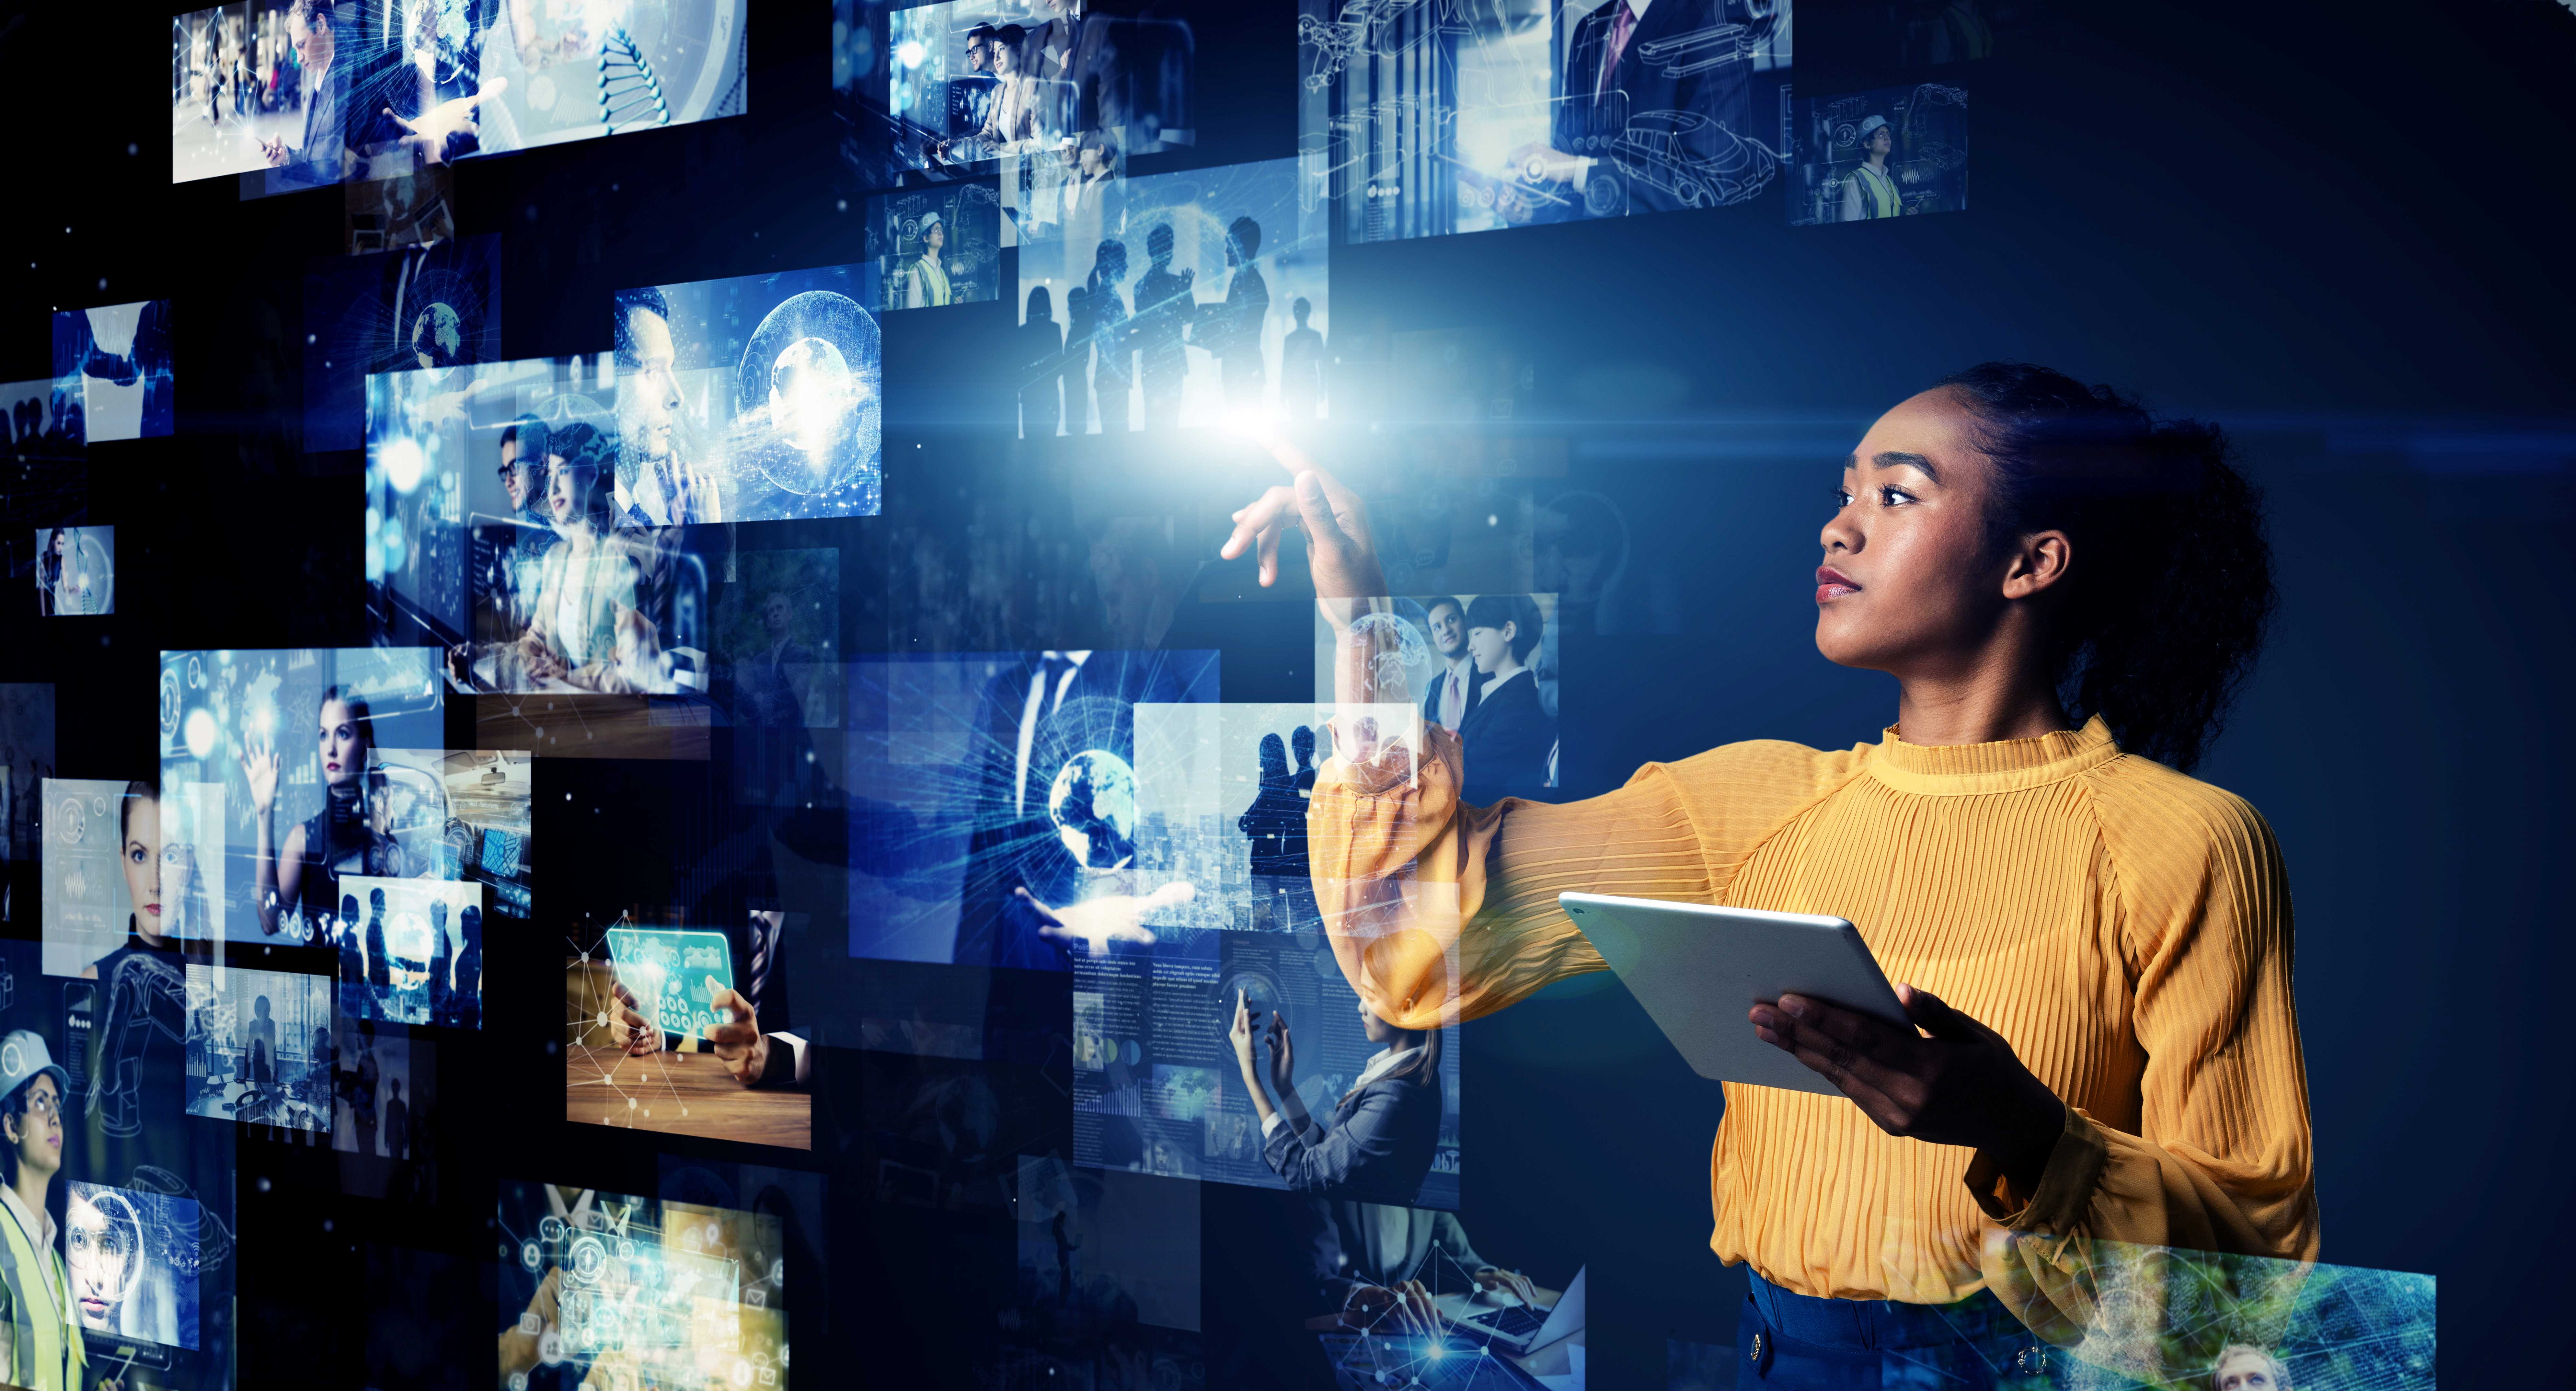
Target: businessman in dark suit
1455, 684
312, 27
1628, 72
1023, 901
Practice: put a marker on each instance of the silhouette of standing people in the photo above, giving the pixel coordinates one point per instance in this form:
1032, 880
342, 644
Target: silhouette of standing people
1041, 368
1113, 369
1301, 366
1164, 306
1247, 307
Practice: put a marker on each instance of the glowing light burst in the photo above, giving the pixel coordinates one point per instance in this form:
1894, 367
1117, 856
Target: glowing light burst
201, 733
403, 461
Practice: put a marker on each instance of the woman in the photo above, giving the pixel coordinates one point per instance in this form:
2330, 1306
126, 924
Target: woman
926, 284
1386, 1128
298, 881
586, 587
1011, 120
138, 829
2067, 591
1507, 733
62, 584
1871, 190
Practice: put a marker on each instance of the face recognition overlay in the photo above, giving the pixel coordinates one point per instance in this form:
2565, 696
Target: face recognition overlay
300, 95
1221, 794
753, 399
422, 309
102, 854
251, 1046
993, 803
1894, 152
1158, 1088
1421, 122
668, 1293
946, 91
413, 952
116, 360
1180, 300
675, 975
937, 246
132, 1258
289, 737
1483, 665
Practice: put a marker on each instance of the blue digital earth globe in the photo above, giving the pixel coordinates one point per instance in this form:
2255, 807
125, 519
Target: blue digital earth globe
1093, 806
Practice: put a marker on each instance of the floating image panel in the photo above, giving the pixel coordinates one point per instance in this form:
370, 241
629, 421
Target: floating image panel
259, 1046
115, 361
302, 96
75, 571
752, 399
1895, 152
1182, 299
1424, 120
132, 1258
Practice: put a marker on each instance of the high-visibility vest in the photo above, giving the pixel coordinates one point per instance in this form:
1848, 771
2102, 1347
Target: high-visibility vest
45, 1343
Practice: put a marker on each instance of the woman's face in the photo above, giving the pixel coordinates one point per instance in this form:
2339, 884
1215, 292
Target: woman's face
101, 1265
563, 492
935, 238
62, 543
1881, 141
343, 745
1006, 60
1377, 1030
1908, 580
1490, 647
143, 863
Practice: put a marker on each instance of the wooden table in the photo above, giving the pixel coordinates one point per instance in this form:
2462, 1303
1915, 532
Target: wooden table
681, 1094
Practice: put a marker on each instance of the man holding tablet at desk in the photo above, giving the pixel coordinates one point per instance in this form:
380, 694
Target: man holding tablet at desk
2113, 1048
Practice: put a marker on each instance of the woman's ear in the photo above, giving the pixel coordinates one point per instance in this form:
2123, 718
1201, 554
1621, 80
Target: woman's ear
2039, 563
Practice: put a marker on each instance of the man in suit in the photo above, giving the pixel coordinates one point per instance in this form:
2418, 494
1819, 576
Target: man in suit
1455, 686
1622, 79
310, 27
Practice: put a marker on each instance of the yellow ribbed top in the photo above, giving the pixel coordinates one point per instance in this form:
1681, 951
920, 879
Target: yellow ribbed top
2127, 928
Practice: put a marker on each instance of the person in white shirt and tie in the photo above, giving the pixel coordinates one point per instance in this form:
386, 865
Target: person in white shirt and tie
1453, 691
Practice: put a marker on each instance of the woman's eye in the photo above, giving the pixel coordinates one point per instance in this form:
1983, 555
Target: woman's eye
1842, 497
1893, 497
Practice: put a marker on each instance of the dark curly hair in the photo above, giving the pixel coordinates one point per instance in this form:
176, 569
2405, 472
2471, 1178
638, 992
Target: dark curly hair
2171, 592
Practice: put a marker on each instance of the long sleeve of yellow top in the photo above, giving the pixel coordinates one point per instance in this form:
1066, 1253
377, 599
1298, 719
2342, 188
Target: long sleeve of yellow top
2127, 928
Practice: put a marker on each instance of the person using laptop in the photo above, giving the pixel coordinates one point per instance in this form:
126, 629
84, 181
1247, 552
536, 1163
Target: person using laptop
2068, 591
1376, 1264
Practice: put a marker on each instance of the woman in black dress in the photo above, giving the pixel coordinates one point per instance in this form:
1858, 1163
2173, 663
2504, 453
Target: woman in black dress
1509, 733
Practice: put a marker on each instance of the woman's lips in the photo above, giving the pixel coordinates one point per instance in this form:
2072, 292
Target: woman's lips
1832, 583
152, 908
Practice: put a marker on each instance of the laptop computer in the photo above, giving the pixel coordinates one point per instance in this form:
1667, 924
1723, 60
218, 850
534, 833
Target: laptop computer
1517, 1328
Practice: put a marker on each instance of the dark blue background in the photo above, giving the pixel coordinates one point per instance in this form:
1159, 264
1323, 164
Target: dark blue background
2342, 230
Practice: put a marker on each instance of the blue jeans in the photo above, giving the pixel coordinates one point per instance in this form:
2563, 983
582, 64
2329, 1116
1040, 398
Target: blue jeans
1796, 1342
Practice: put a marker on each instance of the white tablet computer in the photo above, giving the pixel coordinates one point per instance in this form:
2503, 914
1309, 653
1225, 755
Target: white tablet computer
1697, 969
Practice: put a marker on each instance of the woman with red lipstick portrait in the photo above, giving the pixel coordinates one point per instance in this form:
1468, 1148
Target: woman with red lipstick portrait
2096, 947
298, 882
